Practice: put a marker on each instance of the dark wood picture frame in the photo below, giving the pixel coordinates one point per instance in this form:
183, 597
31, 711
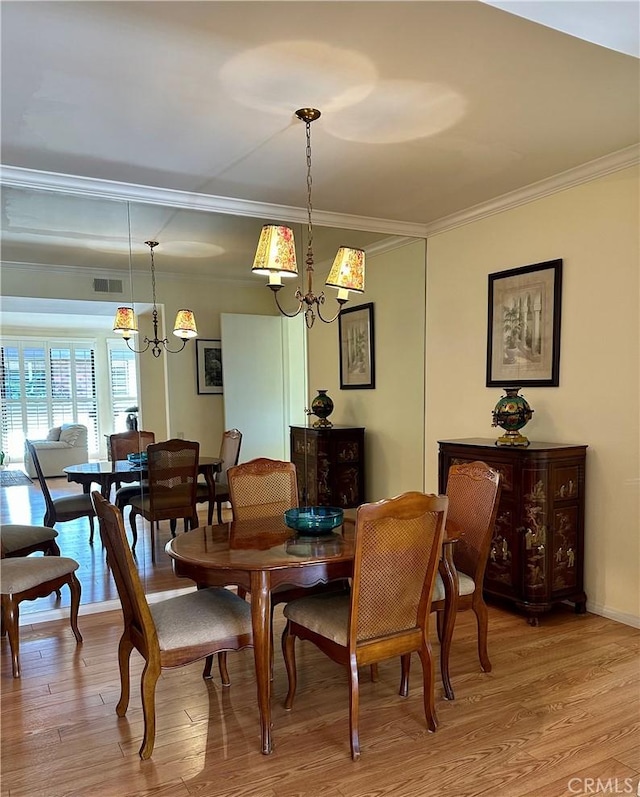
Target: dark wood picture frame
523, 326
209, 366
357, 348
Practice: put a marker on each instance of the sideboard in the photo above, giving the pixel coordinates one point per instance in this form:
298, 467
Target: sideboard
330, 465
537, 551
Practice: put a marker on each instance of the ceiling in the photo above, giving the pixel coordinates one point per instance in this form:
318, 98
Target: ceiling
429, 109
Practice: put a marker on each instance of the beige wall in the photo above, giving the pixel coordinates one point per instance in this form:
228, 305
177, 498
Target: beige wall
393, 413
594, 229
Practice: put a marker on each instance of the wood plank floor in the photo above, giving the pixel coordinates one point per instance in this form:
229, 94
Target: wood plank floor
560, 706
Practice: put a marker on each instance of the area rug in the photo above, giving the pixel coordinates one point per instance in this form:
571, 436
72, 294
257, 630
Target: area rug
14, 478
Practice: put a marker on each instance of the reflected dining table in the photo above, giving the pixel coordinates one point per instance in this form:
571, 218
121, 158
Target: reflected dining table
261, 555
105, 473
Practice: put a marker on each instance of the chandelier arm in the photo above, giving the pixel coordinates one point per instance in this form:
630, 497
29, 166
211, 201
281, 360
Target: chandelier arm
341, 302
173, 351
280, 307
136, 351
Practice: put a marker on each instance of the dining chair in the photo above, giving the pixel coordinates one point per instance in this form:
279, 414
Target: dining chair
229, 454
22, 540
170, 633
397, 548
65, 508
172, 468
121, 444
473, 489
27, 578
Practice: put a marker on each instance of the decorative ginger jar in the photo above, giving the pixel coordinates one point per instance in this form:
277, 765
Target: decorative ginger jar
511, 413
322, 407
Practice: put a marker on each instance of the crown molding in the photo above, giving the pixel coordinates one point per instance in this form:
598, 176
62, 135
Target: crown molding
614, 162
18, 177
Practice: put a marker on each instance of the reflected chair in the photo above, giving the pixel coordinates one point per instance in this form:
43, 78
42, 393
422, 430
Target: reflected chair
22, 540
66, 508
229, 454
473, 490
30, 577
172, 481
397, 548
121, 444
171, 633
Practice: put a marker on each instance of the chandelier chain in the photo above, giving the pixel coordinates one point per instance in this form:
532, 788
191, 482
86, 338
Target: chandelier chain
309, 202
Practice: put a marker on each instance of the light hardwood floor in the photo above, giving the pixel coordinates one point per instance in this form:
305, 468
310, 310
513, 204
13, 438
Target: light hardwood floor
561, 706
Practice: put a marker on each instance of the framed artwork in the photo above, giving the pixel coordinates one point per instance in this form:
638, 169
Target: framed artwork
357, 361
523, 330
209, 365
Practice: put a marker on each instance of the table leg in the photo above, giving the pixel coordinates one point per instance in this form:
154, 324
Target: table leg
450, 580
261, 623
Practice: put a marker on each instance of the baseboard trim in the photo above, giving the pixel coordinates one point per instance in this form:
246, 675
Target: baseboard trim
620, 617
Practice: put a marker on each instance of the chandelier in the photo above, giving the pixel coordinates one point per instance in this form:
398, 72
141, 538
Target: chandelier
276, 255
126, 323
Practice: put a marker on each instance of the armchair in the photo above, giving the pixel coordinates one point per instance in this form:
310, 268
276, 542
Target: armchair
65, 445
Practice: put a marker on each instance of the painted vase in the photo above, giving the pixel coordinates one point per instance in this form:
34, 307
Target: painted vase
322, 407
511, 413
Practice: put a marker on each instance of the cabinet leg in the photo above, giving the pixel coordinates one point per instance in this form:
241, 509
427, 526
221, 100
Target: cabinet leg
580, 607
533, 620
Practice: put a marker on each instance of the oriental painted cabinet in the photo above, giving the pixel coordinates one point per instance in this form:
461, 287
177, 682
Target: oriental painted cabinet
537, 550
330, 465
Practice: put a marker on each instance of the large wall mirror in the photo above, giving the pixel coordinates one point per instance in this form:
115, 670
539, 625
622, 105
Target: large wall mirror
69, 260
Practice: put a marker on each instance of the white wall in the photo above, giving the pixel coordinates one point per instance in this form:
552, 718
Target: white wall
594, 229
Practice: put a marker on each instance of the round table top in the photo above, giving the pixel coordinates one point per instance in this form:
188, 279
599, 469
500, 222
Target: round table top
266, 543
124, 466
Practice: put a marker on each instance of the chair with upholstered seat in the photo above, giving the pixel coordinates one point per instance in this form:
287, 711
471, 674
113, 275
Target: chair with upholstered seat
172, 468
121, 444
22, 540
397, 548
473, 489
66, 508
172, 632
30, 577
229, 454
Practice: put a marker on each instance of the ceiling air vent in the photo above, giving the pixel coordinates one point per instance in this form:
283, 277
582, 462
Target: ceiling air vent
107, 286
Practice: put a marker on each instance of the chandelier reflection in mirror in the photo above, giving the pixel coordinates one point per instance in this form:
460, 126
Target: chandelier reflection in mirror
276, 255
126, 323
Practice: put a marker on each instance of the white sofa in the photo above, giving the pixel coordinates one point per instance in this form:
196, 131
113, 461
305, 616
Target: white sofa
65, 445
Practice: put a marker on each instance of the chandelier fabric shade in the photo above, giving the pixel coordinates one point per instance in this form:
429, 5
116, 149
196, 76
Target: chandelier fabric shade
276, 256
126, 323
347, 272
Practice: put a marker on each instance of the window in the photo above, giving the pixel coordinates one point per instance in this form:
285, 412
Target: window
45, 383
124, 384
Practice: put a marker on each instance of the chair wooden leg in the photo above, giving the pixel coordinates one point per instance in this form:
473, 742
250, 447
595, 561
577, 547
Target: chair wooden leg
124, 653
150, 676
11, 619
482, 618
445, 624
92, 530
76, 591
210, 513
289, 653
375, 675
405, 661
222, 666
219, 508
134, 529
426, 660
172, 526
354, 705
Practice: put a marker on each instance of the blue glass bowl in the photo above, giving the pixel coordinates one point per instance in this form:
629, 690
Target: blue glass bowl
137, 459
313, 521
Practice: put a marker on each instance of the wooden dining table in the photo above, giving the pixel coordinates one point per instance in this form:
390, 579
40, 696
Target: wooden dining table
106, 472
261, 555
